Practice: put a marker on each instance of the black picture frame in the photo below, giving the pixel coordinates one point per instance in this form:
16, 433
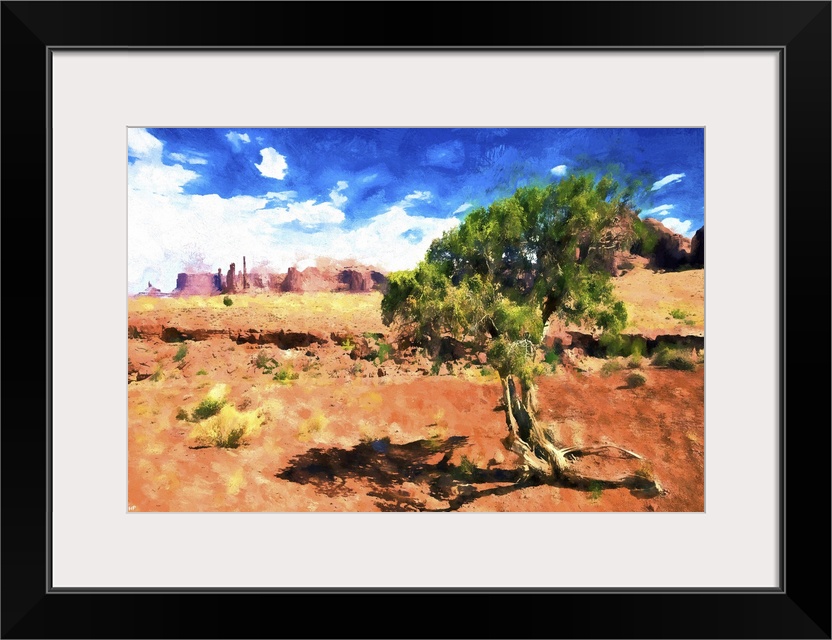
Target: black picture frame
799, 608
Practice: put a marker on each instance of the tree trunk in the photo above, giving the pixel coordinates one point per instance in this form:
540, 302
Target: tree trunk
543, 458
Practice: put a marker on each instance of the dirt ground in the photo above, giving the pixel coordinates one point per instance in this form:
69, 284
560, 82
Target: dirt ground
324, 431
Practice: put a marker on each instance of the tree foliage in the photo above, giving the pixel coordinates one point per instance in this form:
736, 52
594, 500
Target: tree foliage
508, 267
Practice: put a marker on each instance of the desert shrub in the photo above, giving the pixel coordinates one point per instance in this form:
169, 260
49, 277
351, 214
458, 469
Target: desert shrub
227, 429
265, 362
681, 363
635, 379
635, 361
384, 351
465, 470
678, 314
157, 375
673, 357
286, 374
182, 415
207, 408
552, 358
202, 372
434, 368
610, 367
227, 301
181, 352
262, 359
596, 489
486, 371
617, 344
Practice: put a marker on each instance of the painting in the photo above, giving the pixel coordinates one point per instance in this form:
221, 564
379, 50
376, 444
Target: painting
415, 319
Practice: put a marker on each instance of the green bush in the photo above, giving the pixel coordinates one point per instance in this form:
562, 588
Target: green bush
681, 363
610, 367
673, 357
227, 301
617, 344
265, 361
465, 470
286, 374
202, 372
207, 408
157, 375
635, 361
384, 351
182, 415
678, 314
181, 353
635, 379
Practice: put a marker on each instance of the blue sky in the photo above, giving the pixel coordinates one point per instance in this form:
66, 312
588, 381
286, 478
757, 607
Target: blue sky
202, 198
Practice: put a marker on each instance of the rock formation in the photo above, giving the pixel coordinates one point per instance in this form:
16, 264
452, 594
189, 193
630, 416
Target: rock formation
352, 279
196, 284
672, 249
356, 280
697, 248
230, 280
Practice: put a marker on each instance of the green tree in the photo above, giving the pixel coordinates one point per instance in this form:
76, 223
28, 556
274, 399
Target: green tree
504, 272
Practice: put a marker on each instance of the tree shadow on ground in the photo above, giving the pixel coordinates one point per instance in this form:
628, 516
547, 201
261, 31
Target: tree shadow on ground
402, 477
418, 475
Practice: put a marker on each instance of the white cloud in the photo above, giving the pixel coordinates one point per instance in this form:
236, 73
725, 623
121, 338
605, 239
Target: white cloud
462, 208
181, 157
380, 242
148, 173
308, 213
559, 170
678, 226
338, 199
417, 195
236, 139
661, 210
166, 226
369, 178
673, 177
142, 144
282, 195
273, 164
158, 178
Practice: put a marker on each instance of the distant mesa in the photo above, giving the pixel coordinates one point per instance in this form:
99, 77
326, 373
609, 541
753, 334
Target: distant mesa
151, 291
350, 278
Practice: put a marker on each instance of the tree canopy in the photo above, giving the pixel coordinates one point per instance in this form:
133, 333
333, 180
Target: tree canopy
507, 268
498, 278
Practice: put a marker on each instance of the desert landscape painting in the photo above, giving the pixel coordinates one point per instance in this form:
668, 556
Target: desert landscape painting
415, 319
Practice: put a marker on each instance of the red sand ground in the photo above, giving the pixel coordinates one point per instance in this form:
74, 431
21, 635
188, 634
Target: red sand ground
341, 438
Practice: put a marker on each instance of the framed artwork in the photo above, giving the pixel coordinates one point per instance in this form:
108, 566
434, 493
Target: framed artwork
358, 281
